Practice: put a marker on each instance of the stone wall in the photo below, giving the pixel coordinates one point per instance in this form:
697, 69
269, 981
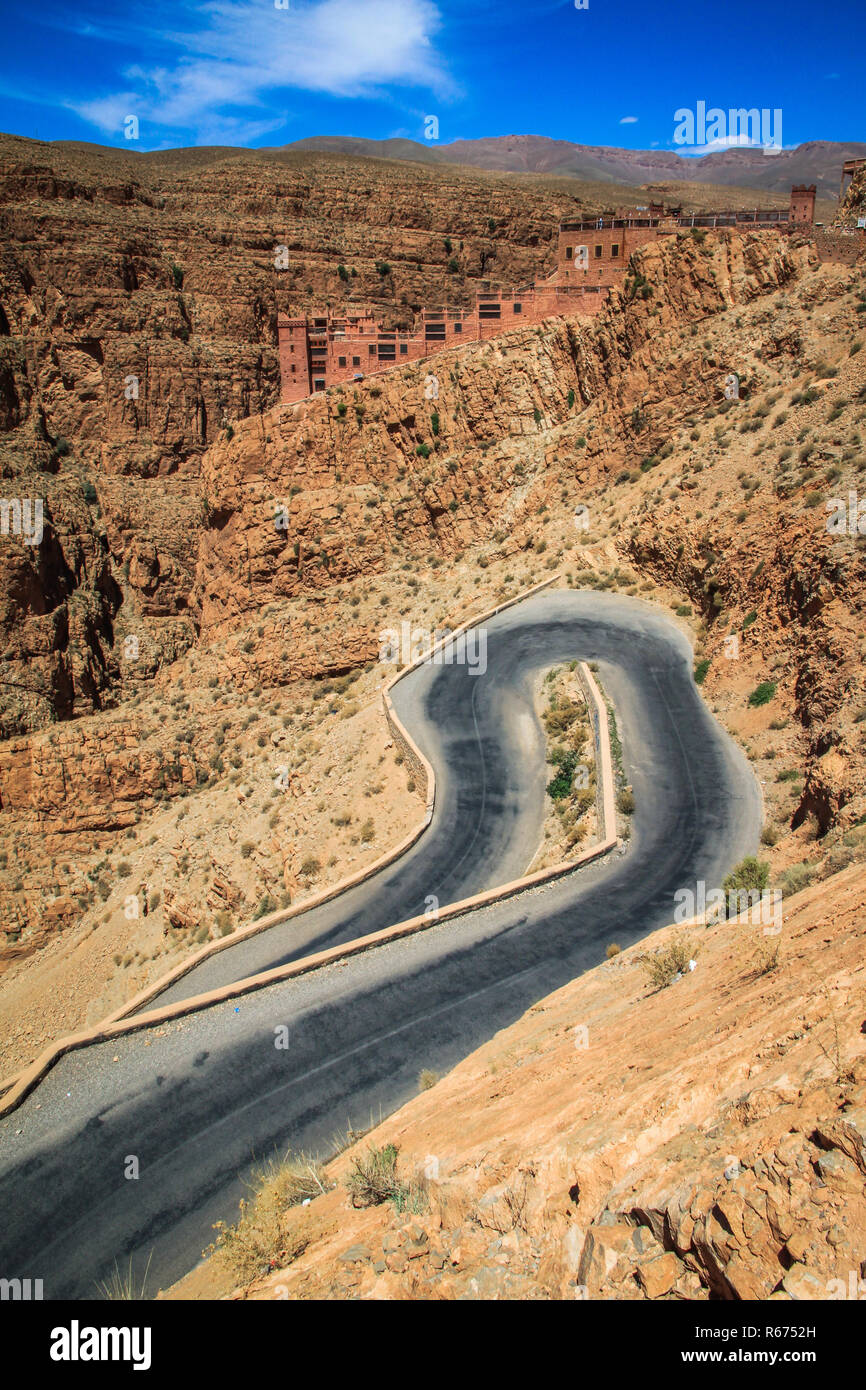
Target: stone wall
840, 246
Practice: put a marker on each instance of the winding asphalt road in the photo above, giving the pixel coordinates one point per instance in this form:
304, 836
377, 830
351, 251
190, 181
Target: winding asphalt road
199, 1100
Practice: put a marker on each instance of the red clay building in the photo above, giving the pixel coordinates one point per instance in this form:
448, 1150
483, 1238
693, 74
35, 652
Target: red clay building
319, 350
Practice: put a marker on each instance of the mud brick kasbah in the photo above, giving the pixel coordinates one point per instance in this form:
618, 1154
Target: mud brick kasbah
326, 347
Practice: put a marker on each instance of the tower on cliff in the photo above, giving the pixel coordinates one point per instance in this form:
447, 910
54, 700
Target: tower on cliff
802, 204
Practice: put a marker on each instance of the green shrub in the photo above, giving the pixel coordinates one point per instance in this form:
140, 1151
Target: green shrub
373, 1179
750, 876
701, 669
560, 786
763, 693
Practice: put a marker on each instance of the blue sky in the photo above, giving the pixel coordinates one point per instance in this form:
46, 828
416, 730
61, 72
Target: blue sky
265, 72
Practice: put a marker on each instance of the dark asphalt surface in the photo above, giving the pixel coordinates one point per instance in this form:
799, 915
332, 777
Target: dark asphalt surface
200, 1100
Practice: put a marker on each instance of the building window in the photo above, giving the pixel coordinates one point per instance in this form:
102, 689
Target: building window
569, 252
372, 349
356, 361
614, 250
518, 308
458, 328
342, 361
404, 348
598, 253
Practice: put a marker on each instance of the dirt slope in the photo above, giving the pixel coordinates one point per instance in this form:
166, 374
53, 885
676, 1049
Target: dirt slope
707, 1139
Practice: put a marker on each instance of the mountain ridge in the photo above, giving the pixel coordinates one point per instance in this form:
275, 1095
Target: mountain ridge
814, 161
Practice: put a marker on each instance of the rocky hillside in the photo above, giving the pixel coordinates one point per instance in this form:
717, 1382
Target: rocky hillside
400, 507
854, 201
367, 472
138, 305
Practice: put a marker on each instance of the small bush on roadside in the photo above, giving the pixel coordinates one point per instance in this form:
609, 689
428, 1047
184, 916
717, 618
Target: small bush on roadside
374, 1179
666, 965
750, 876
260, 1237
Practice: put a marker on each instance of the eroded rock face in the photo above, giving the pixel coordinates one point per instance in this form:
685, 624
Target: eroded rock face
58, 602
799, 585
854, 200
328, 489
138, 306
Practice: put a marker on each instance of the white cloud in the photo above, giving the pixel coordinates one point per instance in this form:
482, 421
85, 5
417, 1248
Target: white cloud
628, 120
244, 54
